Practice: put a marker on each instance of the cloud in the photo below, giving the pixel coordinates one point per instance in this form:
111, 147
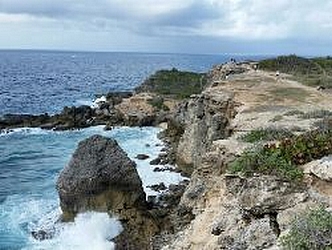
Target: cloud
234, 21
243, 19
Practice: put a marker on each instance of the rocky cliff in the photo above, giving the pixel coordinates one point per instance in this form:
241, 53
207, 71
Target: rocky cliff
260, 207
205, 118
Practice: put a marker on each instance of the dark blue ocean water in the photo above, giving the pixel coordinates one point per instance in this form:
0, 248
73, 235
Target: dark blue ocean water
45, 81
31, 159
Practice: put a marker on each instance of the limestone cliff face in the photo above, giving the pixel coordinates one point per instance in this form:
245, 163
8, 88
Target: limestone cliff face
233, 211
205, 118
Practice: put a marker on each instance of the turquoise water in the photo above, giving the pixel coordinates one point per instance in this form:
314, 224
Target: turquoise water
31, 160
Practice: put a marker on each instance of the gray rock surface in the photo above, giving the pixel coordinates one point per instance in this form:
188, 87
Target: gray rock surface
99, 176
321, 168
206, 118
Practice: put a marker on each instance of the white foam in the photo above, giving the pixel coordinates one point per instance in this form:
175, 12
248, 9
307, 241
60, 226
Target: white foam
89, 231
99, 101
134, 146
25, 130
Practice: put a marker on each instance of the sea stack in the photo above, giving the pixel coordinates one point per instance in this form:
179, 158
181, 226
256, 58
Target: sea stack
101, 177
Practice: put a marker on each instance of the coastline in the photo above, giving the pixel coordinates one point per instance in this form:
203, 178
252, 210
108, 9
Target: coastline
227, 204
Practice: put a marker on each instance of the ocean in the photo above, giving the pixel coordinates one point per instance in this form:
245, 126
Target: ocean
38, 82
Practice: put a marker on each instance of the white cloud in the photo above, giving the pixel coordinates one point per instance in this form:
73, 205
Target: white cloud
243, 20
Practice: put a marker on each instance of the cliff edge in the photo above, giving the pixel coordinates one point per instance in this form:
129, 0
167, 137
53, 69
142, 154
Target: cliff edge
254, 142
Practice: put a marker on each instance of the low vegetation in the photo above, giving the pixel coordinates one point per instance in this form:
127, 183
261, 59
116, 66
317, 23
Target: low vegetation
311, 230
282, 158
263, 160
158, 104
310, 71
266, 134
174, 83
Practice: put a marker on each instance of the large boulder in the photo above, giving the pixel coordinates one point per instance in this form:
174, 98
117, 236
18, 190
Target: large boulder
100, 176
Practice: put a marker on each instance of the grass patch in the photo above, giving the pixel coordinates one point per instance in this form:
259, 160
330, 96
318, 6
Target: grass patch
311, 230
310, 71
283, 158
267, 134
174, 83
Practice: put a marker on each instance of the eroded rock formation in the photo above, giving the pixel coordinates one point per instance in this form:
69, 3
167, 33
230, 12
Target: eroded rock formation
101, 177
205, 118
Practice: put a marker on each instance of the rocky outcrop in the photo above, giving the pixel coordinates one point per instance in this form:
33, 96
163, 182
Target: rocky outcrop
117, 109
222, 72
321, 168
69, 118
205, 118
233, 211
97, 166
101, 177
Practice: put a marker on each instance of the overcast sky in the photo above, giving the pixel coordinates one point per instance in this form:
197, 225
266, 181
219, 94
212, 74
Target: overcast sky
187, 26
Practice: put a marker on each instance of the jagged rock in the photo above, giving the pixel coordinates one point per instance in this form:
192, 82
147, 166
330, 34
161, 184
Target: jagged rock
158, 187
99, 167
74, 117
42, 235
142, 157
205, 118
23, 120
265, 194
155, 161
320, 168
101, 177
222, 72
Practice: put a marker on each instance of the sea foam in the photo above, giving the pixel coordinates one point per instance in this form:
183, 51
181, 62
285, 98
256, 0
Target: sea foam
90, 231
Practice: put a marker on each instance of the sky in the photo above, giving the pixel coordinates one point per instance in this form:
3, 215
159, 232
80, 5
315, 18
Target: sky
303, 27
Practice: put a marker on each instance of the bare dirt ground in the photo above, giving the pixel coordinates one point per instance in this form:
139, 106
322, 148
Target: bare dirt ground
266, 100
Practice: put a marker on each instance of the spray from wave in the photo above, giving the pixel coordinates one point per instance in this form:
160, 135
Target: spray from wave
89, 231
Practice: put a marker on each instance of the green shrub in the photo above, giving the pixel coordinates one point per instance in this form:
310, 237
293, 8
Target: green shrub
310, 71
312, 231
266, 161
174, 83
282, 158
268, 134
